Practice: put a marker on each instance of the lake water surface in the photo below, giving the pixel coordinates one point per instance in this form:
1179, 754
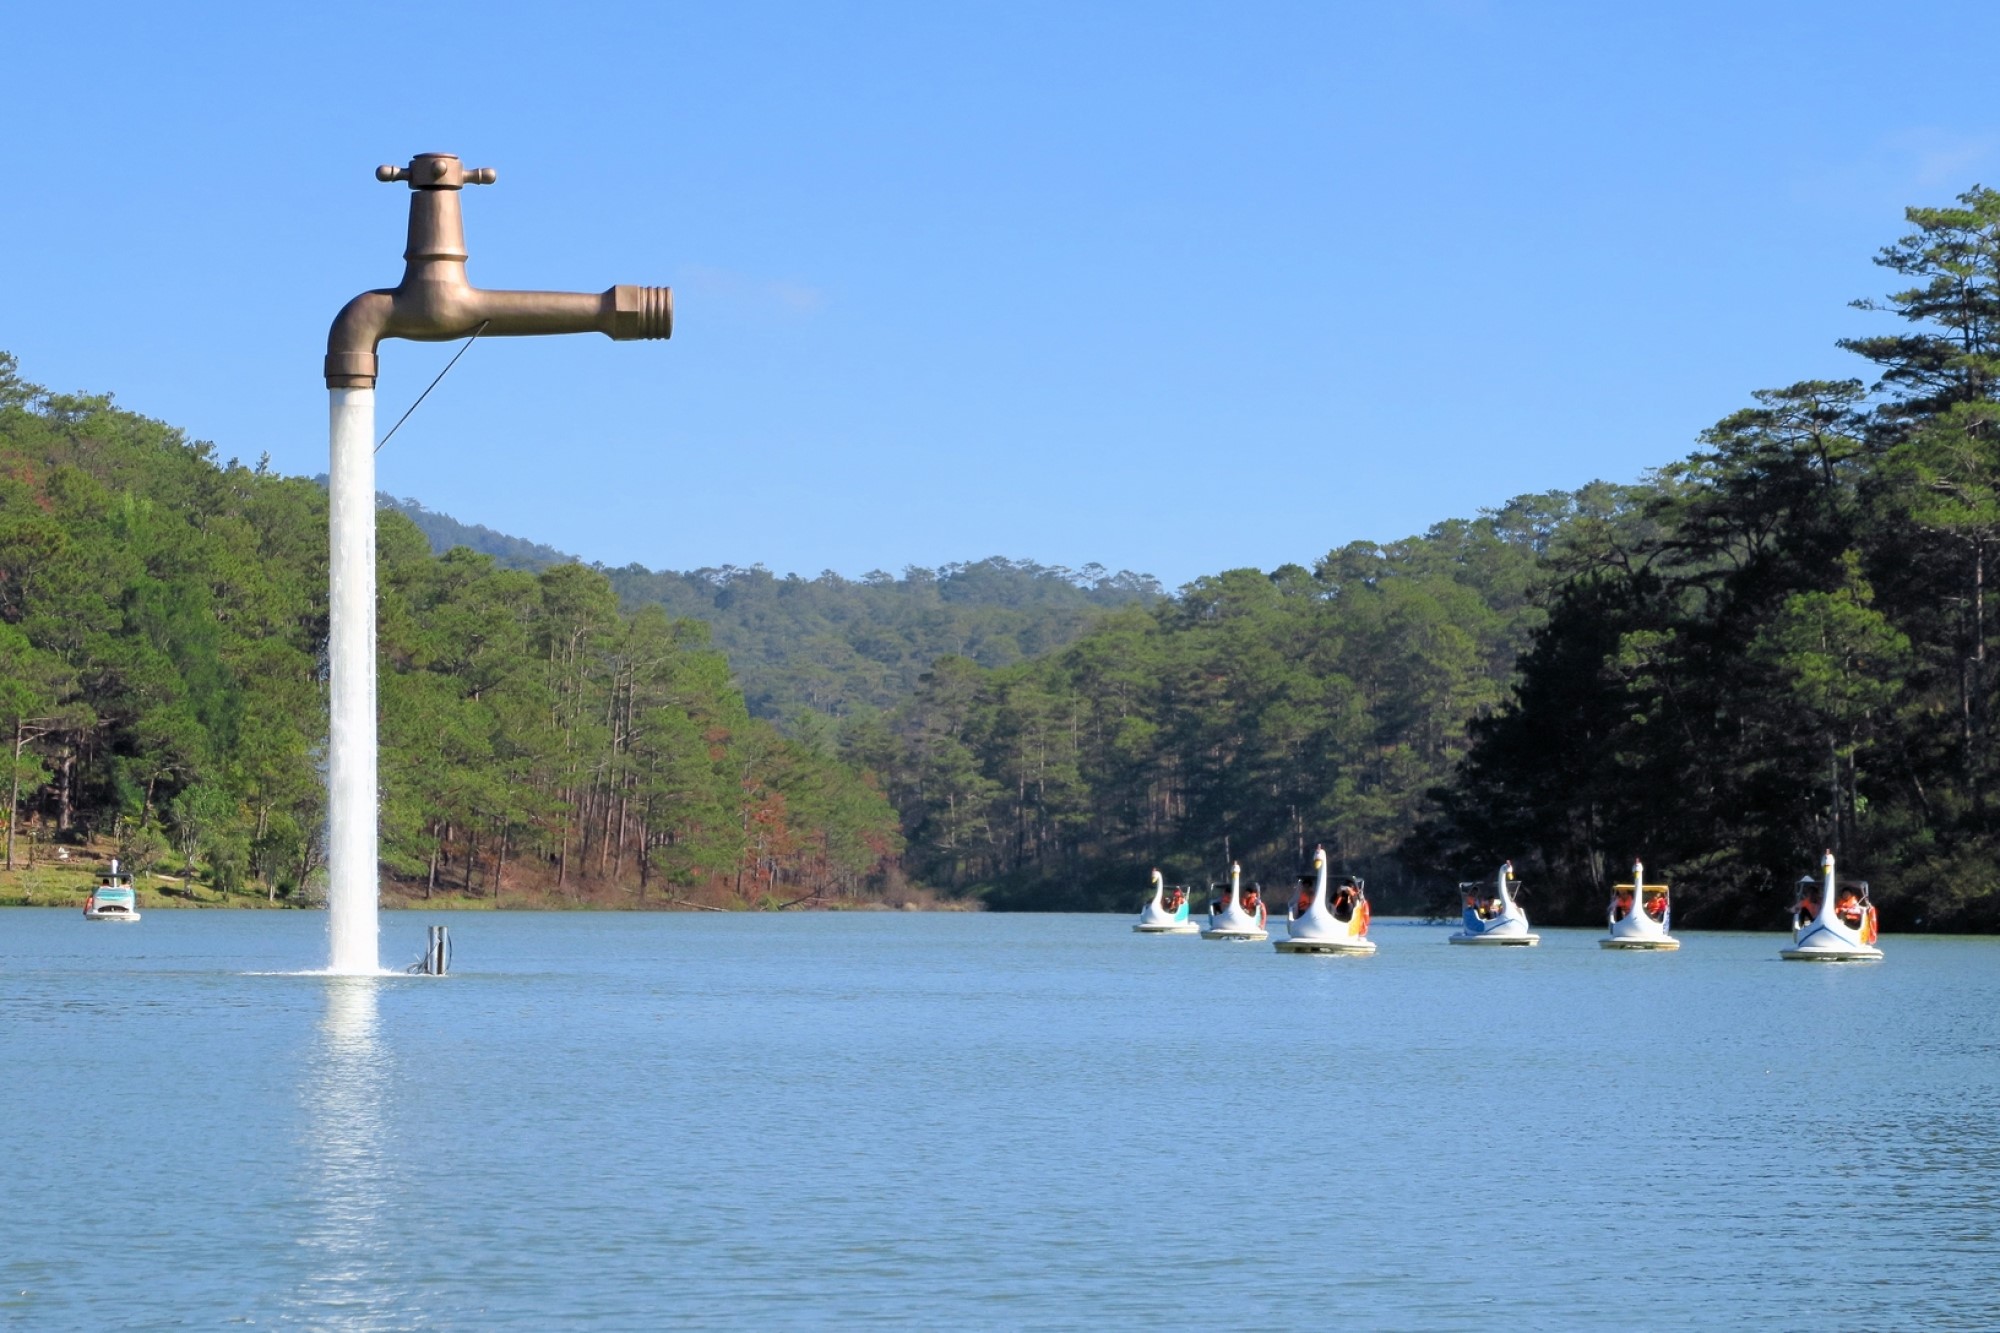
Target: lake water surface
636, 1121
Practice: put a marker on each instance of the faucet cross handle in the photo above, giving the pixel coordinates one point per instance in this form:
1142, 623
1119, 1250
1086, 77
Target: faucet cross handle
437, 171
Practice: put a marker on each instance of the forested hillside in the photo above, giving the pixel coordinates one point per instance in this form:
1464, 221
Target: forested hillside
445, 532
1778, 645
806, 650
162, 682
838, 647
1253, 715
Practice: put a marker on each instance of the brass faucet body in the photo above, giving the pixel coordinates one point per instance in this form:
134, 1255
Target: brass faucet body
435, 302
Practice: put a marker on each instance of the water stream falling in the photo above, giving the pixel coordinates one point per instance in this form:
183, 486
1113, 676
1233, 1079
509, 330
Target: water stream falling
350, 812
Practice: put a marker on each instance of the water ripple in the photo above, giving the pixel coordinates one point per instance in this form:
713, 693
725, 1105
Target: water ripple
1018, 1122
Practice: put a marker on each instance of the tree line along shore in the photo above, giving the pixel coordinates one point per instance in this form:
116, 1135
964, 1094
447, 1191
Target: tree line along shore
1774, 646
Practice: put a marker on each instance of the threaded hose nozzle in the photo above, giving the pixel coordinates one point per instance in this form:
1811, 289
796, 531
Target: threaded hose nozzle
641, 312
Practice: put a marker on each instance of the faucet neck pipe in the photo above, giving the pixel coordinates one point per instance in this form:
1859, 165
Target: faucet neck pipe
437, 230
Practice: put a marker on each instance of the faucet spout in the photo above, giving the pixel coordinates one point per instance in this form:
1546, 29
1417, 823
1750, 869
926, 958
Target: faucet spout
436, 303
622, 313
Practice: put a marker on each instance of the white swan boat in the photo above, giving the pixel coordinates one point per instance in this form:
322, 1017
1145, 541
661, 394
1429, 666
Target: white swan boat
1833, 922
1237, 915
1640, 914
1491, 915
112, 899
1167, 913
1323, 922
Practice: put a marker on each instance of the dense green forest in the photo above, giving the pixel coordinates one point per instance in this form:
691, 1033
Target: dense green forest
836, 647
162, 683
1253, 715
805, 650
1777, 645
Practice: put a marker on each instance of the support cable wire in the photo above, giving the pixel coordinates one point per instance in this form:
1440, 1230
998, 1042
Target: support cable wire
433, 384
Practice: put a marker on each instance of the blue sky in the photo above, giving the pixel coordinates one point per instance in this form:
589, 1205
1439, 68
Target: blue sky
1172, 287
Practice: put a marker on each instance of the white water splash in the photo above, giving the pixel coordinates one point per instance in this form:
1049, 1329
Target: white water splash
352, 897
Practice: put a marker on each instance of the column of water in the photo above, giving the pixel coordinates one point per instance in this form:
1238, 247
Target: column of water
351, 814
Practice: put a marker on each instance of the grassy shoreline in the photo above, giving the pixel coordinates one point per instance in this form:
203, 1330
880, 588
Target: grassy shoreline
68, 884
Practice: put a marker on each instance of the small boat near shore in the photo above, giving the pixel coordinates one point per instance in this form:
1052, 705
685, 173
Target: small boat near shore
1491, 914
113, 898
1320, 921
1238, 914
1833, 921
1640, 915
1167, 913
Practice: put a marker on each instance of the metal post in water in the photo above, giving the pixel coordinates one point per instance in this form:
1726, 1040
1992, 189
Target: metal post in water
434, 303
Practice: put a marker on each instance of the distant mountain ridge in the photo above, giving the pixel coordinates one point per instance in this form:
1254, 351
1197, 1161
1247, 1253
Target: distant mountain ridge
835, 646
445, 532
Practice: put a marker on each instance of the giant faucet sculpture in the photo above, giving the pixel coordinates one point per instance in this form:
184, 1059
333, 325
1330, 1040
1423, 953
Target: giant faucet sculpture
433, 303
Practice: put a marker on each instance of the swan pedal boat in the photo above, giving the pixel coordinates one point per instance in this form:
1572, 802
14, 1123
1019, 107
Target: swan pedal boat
112, 899
1492, 917
1167, 913
1832, 922
1316, 925
1235, 917
1633, 924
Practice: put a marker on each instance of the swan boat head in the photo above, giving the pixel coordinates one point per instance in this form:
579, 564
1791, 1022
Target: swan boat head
1833, 919
1641, 914
1489, 909
1336, 912
1239, 913
1168, 906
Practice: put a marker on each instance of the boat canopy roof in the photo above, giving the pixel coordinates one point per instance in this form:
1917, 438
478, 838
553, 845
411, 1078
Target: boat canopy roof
1650, 888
